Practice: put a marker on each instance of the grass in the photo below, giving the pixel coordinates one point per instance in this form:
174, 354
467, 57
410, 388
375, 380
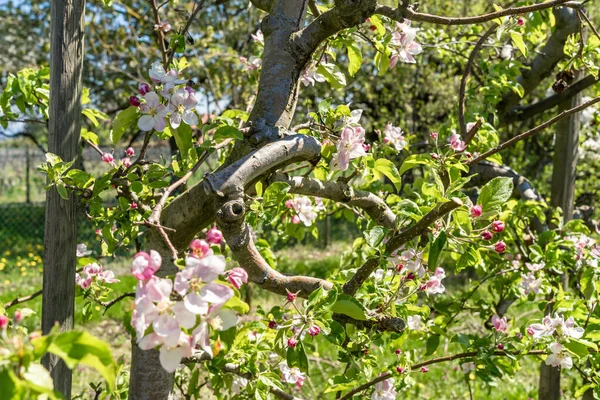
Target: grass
22, 274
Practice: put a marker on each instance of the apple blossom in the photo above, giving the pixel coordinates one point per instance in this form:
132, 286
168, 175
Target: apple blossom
530, 283
258, 37
411, 260
200, 248
500, 247
456, 143
159, 75
292, 375
107, 277
500, 324
414, 322
546, 328
291, 296
237, 277
217, 319
129, 152
238, 384
133, 205
349, 146
304, 209
154, 114
163, 27
83, 283
467, 367
214, 236
144, 88
107, 157
82, 250
487, 235
126, 161
476, 211
398, 351
295, 220
568, 328
182, 107
310, 76
559, 358
134, 101
520, 21
314, 330
289, 203
434, 135
384, 390
252, 65
367, 147
92, 269
18, 317
434, 284
424, 369
404, 44
144, 265
497, 226
272, 325
3, 321
393, 135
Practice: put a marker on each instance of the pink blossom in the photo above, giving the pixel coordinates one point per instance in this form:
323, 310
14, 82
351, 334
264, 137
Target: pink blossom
200, 248
143, 88
214, 236
289, 203
154, 114
350, 146
18, 317
568, 328
497, 226
434, 135
314, 330
237, 277
546, 328
126, 161
129, 152
476, 211
159, 75
468, 367
107, 277
216, 319
295, 220
424, 369
272, 324
182, 107
530, 331
534, 267
134, 101
252, 65
520, 21
400, 370
291, 296
530, 284
405, 45
500, 247
292, 375
107, 157
82, 251
367, 147
92, 269
486, 235
500, 324
305, 211
384, 390
163, 27
500, 346
310, 76
394, 136
292, 342
434, 284
145, 265
258, 37
456, 143
133, 206
83, 283
3, 321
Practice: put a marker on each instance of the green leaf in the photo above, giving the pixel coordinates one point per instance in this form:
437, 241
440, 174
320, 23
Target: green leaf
387, 168
228, 132
89, 135
382, 58
333, 75
302, 358
239, 306
349, 306
375, 236
495, 194
75, 348
62, 191
354, 57
183, 139
377, 23
517, 40
435, 250
321, 300
413, 160
122, 122
432, 344
275, 194
94, 115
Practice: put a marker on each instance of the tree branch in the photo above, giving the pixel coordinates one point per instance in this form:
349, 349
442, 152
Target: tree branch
20, 300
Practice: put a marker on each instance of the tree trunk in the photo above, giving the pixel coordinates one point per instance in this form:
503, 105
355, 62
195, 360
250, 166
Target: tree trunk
564, 171
60, 239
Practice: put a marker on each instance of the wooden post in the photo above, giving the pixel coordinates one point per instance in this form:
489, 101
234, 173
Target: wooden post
27, 176
60, 238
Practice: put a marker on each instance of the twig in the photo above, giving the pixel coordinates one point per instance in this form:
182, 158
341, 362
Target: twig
312, 4
533, 131
195, 11
161, 35
590, 24
20, 300
463, 82
109, 304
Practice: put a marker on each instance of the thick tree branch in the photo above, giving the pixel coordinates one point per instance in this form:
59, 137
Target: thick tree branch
373, 205
522, 113
486, 171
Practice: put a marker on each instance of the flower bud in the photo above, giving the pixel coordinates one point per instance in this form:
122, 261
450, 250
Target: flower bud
433, 135
272, 324
107, 157
3, 321
520, 21
144, 88
292, 342
530, 331
500, 247
366, 147
314, 330
400, 370
500, 346
434, 156
398, 351
133, 206
295, 220
291, 296
476, 211
130, 152
424, 369
237, 277
199, 247
18, 317
497, 226
289, 203
399, 267
214, 236
487, 235
126, 161
134, 101
410, 276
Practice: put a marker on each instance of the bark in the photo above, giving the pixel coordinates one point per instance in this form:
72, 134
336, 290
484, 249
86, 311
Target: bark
60, 238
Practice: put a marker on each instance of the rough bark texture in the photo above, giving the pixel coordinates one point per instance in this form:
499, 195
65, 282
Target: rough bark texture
60, 240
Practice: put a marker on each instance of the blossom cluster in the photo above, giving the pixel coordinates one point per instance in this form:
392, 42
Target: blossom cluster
404, 45
170, 98
305, 211
92, 272
409, 265
178, 315
351, 143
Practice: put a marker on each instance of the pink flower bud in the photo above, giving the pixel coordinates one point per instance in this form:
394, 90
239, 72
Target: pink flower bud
398, 351
467, 154
487, 235
18, 317
400, 370
433, 135
386, 140
295, 220
214, 236
98, 232
424, 369
500, 247
3, 321
107, 157
289, 203
520, 21
530, 331
291, 296
292, 342
134, 101
126, 161
434, 156
366, 147
272, 324
144, 88
314, 330
373, 27
130, 152
410, 276
237, 277
519, 335
199, 247
497, 226
399, 267
500, 346
476, 211
133, 206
